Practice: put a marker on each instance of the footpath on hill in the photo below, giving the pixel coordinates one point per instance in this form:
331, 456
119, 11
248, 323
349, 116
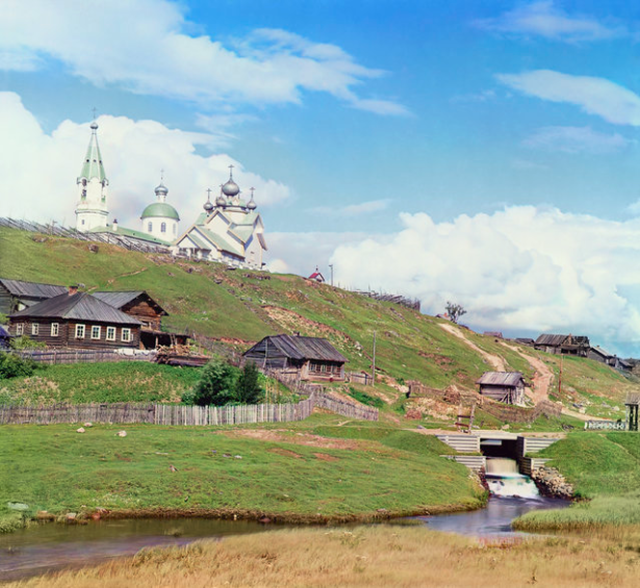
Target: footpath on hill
495, 361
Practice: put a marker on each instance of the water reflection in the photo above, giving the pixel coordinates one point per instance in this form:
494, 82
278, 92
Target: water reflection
47, 547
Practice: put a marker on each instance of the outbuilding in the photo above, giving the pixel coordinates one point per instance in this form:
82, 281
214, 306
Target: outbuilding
505, 387
309, 358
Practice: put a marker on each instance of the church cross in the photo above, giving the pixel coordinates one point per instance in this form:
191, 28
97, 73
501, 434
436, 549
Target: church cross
94, 110
208, 193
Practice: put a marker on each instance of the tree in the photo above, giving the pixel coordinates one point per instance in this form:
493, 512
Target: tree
248, 388
455, 311
217, 385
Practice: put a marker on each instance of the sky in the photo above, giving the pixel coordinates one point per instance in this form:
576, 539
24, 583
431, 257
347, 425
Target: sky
484, 153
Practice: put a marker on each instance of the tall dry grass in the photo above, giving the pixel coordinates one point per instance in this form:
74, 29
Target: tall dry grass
369, 556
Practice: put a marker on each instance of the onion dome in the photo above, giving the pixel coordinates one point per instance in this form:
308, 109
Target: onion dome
208, 206
230, 189
251, 205
94, 126
160, 210
220, 200
161, 190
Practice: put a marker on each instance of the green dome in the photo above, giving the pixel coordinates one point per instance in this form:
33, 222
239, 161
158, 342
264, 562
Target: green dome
160, 210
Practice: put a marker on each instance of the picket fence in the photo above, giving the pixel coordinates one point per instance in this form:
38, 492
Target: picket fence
64, 356
179, 415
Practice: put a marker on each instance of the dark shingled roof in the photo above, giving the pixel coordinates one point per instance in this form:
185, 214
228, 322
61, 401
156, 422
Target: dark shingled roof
119, 299
79, 306
553, 340
19, 289
500, 379
306, 348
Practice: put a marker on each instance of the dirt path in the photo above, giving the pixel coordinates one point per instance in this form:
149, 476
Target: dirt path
496, 362
542, 378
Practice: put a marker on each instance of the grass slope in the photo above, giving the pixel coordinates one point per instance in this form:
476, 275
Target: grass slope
602, 467
285, 471
239, 307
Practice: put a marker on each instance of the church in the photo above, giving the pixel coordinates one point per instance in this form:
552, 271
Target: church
231, 231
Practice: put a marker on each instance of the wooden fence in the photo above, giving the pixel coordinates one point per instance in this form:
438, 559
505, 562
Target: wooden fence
58, 356
167, 414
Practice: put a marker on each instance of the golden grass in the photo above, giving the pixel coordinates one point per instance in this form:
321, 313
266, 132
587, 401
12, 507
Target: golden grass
368, 556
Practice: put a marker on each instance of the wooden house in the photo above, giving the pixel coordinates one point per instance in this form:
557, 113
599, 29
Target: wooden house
16, 295
309, 358
138, 304
505, 387
317, 276
563, 344
79, 320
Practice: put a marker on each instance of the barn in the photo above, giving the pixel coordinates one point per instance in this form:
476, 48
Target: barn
76, 319
505, 387
309, 358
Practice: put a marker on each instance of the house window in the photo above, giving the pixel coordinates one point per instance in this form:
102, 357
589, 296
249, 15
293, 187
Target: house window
19, 330
95, 332
55, 329
83, 221
35, 329
163, 228
149, 227
126, 335
80, 329
111, 333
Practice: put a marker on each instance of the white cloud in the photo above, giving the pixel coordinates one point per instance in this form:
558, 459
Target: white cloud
545, 20
597, 96
154, 54
522, 268
354, 209
38, 171
576, 140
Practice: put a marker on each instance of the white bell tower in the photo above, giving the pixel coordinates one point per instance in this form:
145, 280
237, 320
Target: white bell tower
91, 210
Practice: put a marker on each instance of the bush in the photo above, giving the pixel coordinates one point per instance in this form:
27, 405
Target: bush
217, 384
25, 342
12, 366
365, 398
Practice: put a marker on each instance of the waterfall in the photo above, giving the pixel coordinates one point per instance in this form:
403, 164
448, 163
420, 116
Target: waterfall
504, 479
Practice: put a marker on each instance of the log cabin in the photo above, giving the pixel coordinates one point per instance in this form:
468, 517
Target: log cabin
309, 358
79, 320
563, 344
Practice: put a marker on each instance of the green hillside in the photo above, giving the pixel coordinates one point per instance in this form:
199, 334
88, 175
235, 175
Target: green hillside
238, 307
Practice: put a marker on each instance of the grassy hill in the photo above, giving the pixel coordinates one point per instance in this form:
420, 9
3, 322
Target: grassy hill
240, 307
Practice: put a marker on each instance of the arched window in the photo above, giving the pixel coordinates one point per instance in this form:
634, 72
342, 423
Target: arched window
149, 228
175, 229
163, 228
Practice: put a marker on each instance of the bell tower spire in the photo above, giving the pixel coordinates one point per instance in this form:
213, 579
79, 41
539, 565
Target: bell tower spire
91, 209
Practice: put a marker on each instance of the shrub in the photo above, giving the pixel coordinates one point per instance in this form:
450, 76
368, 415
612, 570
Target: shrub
12, 366
217, 385
366, 398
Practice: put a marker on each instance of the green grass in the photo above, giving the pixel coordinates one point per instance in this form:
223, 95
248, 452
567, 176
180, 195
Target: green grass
603, 467
55, 468
100, 382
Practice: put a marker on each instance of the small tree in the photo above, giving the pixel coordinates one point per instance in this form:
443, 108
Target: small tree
217, 385
455, 311
248, 388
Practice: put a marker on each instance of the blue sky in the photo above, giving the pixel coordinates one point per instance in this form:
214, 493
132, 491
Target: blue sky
479, 151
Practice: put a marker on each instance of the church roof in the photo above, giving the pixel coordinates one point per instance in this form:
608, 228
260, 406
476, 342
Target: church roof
92, 166
160, 210
124, 232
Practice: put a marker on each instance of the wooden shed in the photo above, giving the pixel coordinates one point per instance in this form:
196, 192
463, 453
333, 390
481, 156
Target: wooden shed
16, 295
309, 358
79, 320
505, 387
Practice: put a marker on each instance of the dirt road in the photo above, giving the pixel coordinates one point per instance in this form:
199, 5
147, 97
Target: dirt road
495, 361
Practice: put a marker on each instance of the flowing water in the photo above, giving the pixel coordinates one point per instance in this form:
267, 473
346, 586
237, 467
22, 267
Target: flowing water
512, 495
